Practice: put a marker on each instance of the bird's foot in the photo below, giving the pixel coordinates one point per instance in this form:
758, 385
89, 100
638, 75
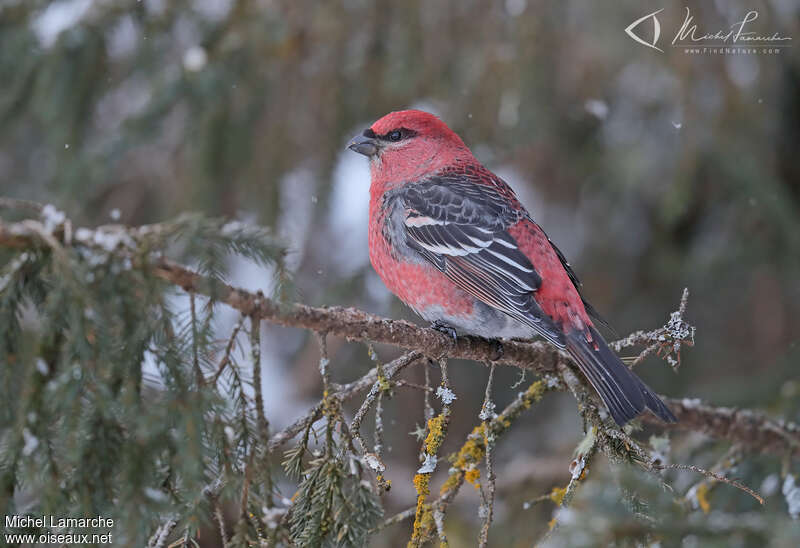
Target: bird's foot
498, 349
442, 327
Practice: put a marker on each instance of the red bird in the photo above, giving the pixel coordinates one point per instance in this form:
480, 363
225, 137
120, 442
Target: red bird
452, 241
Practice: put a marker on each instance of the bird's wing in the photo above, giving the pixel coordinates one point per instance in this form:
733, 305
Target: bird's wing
461, 227
577, 283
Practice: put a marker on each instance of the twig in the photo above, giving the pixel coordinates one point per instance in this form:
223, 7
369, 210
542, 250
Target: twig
397, 518
578, 468
198, 373
255, 352
428, 413
752, 430
343, 393
379, 425
436, 432
487, 487
407, 384
159, 538
714, 475
324, 362
390, 370
221, 522
666, 340
375, 460
15, 203
473, 451
226, 357
244, 500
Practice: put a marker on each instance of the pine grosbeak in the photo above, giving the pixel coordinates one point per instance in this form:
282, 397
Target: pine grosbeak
452, 241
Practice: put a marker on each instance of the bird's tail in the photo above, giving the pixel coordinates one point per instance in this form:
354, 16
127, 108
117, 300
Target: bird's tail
625, 394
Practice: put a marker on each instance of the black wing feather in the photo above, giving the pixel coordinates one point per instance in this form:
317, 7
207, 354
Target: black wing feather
461, 228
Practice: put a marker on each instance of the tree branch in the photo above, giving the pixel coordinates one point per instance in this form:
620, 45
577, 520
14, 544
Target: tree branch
752, 430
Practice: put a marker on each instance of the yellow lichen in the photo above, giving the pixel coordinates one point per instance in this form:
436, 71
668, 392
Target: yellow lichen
473, 449
701, 493
470, 454
435, 434
450, 483
423, 523
557, 494
534, 393
422, 484
552, 523
472, 476
423, 518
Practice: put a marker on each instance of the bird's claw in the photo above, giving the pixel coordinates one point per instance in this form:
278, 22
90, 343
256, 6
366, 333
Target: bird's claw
498, 349
442, 327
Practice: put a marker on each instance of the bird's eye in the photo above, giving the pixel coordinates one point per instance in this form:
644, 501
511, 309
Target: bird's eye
395, 135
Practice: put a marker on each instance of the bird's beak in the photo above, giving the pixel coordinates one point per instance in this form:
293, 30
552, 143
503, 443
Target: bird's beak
363, 145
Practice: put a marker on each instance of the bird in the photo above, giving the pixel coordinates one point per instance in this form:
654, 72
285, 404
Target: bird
453, 242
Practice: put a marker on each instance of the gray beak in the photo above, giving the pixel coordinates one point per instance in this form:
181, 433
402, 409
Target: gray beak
363, 145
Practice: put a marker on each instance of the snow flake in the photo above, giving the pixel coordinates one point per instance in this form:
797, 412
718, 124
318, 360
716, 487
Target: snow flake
272, 516
577, 466
230, 434
323, 366
429, 465
770, 485
31, 442
42, 367
487, 411
372, 460
109, 240
597, 108
791, 491
516, 8
483, 511
551, 381
52, 218
83, 234
195, 58
446, 395
232, 228
678, 329
156, 495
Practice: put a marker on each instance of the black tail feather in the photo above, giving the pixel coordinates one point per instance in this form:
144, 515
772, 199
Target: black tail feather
625, 395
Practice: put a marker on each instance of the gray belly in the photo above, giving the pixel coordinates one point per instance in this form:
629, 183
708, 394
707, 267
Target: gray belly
486, 322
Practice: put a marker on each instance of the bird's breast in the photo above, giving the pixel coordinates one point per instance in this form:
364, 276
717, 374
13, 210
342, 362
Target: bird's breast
406, 273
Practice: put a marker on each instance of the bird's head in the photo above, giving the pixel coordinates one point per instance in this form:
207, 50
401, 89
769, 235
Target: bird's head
408, 144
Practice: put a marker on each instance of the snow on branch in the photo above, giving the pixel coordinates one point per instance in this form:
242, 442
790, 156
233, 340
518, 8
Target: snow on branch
750, 429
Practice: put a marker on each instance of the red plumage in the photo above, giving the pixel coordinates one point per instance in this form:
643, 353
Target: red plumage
451, 240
